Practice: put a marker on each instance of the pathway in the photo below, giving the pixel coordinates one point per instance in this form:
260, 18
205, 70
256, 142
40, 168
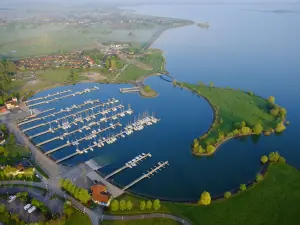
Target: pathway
145, 216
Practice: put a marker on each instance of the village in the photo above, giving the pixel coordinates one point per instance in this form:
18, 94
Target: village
67, 60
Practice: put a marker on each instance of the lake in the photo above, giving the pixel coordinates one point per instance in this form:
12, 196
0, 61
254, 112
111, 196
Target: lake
243, 48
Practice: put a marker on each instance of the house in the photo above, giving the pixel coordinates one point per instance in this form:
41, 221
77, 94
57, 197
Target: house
100, 195
11, 104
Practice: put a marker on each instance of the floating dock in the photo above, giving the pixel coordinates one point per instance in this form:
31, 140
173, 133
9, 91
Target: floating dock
130, 164
160, 166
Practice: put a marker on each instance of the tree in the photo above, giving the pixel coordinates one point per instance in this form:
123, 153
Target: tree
205, 198
210, 149
129, 205
227, 194
258, 128
123, 205
274, 156
274, 112
114, 205
156, 204
281, 160
259, 178
280, 127
3, 151
264, 159
23, 196
3, 128
211, 84
243, 187
201, 150
149, 205
246, 130
271, 99
243, 124
282, 112
142, 205
68, 209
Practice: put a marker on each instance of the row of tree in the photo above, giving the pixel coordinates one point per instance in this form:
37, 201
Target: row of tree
128, 205
79, 193
10, 173
274, 157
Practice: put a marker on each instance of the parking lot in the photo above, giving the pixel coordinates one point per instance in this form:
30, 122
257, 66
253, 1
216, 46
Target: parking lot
54, 205
17, 206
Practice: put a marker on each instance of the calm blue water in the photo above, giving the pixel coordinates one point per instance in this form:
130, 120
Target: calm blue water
255, 51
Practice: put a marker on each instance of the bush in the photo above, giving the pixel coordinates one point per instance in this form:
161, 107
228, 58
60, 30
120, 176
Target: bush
243, 187
227, 194
259, 178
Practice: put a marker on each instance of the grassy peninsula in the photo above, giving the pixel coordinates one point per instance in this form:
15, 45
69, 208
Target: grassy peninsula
269, 202
236, 113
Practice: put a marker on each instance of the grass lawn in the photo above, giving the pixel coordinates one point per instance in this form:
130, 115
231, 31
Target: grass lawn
44, 80
274, 201
15, 154
156, 221
78, 218
235, 106
132, 72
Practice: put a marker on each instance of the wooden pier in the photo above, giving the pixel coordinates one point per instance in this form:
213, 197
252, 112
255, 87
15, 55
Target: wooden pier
127, 165
160, 165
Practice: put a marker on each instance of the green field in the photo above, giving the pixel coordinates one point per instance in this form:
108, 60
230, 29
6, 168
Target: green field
234, 106
25, 40
156, 221
78, 218
274, 201
155, 59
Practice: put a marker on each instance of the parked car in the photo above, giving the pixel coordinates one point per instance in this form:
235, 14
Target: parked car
31, 209
11, 198
27, 206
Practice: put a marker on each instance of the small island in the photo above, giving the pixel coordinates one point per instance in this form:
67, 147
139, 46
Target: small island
236, 113
204, 25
